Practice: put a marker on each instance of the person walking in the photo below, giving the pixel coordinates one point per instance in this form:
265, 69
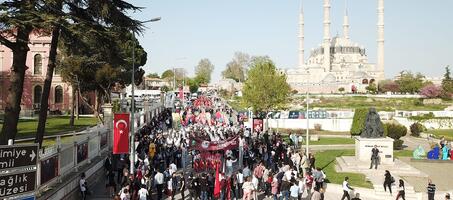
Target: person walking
143, 193
346, 189
183, 186
308, 180
274, 186
159, 181
240, 181
431, 190
83, 186
316, 194
374, 157
248, 189
294, 191
401, 190
388, 180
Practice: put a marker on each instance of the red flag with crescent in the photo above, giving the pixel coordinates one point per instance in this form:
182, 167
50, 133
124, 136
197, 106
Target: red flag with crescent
121, 133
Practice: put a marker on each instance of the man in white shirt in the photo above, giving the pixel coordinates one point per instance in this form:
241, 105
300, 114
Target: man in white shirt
159, 181
82, 185
173, 168
229, 166
294, 191
346, 189
143, 193
240, 179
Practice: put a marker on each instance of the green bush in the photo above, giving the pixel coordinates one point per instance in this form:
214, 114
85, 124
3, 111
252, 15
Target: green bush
418, 102
428, 116
416, 129
358, 122
395, 131
398, 144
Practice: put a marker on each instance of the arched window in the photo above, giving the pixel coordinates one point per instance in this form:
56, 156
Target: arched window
37, 64
58, 94
365, 81
37, 92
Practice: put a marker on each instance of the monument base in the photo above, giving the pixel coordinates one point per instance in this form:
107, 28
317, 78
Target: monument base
363, 148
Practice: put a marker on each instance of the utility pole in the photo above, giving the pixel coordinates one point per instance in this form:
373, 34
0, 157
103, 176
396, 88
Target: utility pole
307, 138
132, 122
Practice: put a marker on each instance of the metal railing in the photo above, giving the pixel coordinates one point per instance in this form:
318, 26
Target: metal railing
68, 156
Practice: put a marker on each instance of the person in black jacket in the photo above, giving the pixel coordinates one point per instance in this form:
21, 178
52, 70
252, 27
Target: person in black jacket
388, 180
374, 157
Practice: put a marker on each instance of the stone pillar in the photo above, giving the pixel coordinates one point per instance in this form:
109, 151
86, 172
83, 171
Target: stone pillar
108, 118
380, 39
326, 42
301, 37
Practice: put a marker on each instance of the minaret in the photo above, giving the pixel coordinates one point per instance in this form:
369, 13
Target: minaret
380, 39
346, 22
326, 42
301, 36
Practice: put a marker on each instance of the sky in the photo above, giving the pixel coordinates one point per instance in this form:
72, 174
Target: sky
418, 33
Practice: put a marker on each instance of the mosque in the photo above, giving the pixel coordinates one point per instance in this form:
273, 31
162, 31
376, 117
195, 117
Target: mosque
338, 62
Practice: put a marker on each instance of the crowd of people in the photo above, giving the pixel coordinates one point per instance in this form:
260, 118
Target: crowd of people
168, 163
204, 151
442, 150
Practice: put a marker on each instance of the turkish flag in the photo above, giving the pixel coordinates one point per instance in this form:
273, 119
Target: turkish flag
217, 182
121, 133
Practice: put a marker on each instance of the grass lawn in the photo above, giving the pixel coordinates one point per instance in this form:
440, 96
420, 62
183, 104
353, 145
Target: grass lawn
326, 141
311, 131
447, 133
402, 153
381, 104
54, 125
326, 161
52, 141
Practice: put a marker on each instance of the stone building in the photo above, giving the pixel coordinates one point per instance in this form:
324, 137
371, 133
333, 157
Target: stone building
37, 59
338, 61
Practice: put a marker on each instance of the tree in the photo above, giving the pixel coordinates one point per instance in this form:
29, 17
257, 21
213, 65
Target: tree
431, 91
193, 85
410, 83
237, 68
395, 131
371, 88
204, 70
388, 86
341, 89
91, 15
416, 128
358, 121
447, 84
17, 21
164, 88
265, 89
168, 74
153, 75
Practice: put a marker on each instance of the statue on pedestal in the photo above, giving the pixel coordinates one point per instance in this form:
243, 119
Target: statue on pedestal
373, 125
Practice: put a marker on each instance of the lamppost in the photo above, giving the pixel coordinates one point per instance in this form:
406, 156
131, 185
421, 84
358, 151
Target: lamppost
132, 124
